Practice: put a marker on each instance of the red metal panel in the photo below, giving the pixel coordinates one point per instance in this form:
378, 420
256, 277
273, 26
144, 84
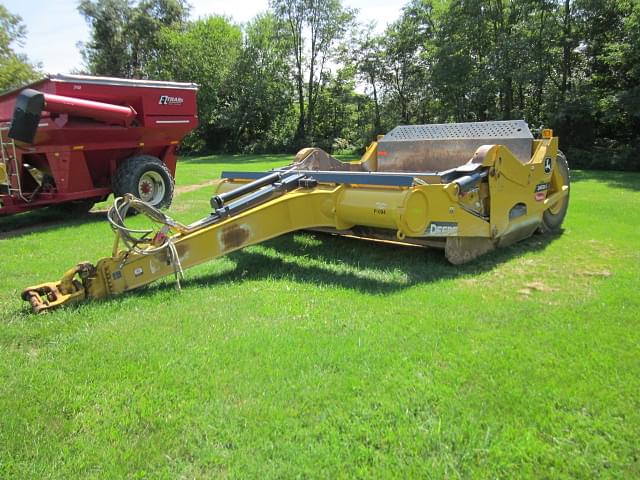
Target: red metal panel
59, 164
79, 177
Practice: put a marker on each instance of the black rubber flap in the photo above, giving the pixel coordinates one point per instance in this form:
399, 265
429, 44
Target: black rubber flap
26, 115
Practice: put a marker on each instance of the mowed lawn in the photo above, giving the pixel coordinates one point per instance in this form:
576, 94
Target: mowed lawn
321, 356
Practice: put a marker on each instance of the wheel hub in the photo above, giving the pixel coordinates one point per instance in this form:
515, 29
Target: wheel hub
151, 187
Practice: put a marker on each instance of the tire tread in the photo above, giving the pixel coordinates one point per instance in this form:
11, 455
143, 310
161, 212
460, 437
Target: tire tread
126, 177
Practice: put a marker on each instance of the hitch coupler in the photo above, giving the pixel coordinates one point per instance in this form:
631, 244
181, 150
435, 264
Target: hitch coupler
69, 289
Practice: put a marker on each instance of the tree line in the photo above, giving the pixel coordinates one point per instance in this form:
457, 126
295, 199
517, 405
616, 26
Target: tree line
308, 72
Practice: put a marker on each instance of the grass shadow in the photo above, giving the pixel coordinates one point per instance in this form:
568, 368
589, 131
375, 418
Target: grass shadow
364, 266
44, 219
367, 265
627, 180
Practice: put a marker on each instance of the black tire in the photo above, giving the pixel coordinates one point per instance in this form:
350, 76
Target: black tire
147, 178
551, 220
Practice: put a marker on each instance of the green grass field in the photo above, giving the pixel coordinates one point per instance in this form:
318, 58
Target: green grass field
320, 356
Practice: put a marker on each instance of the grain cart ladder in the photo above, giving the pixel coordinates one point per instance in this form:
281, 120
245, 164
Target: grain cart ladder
9, 168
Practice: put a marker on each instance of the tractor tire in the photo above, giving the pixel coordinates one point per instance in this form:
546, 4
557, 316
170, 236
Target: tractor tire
553, 217
147, 178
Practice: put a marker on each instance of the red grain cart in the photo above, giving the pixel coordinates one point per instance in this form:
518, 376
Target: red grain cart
73, 140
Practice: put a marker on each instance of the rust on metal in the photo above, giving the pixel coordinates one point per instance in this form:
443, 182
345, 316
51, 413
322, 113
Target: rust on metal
234, 237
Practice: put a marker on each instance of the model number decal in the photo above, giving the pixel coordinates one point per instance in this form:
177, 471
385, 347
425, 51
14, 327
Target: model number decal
542, 187
380, 208
442, 229
168, 100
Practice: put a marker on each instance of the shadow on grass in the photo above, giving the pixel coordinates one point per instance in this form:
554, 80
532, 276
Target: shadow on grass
627, 180
44, 219
368, 267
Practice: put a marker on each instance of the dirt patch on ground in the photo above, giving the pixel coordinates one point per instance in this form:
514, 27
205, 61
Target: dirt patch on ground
531, 287
596, 273
197, 186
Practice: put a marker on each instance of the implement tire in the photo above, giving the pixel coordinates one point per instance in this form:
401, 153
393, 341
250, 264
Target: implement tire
553, 217
147, 178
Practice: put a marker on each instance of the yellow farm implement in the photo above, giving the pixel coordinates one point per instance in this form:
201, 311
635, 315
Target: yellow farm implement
467, 188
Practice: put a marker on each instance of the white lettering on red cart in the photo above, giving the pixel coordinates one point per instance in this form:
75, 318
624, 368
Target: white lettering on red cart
167, 100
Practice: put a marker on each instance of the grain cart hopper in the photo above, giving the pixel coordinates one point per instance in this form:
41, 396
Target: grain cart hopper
466, 188
71, 139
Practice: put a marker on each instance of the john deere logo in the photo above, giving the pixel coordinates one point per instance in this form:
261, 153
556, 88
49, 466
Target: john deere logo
167, 100
547, 165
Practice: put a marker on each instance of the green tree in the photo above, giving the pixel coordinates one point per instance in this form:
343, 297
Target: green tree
125, 36
15, 68
598, 108
262, 89
205, 52
321, 24
407, 65
368, 57
338, 124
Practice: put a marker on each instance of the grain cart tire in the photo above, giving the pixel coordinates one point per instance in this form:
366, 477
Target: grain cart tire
147, 178
553, 217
